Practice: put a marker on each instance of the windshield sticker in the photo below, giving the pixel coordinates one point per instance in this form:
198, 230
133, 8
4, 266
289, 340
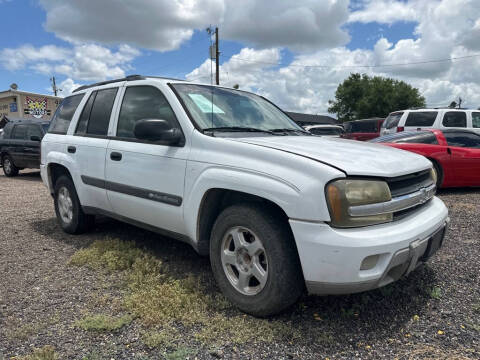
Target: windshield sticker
205, 105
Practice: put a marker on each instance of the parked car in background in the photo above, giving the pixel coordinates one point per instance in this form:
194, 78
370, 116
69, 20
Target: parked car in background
419, 119
362, 130
20, 145
275, 208
325, 130
455, 154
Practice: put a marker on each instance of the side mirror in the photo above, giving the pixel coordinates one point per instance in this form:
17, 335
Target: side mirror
35, 138
157, 130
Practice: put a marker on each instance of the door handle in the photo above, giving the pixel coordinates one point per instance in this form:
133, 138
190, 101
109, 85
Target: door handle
71, 149
116, 156
449, 151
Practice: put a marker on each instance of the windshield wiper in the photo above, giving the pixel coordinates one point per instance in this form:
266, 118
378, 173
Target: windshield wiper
290, 130
238, 129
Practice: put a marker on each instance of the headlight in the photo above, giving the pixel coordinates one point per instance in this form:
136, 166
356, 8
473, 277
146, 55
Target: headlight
341, 194
434, 175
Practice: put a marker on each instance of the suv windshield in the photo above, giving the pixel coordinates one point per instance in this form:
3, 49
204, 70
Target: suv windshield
218, 108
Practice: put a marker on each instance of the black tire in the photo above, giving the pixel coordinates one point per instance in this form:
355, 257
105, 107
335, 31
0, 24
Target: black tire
284, 283
10, 170
80, 222
438, 169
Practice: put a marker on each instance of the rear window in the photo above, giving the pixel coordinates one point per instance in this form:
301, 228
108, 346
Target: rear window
455, 119
421, 118
64, 114
361, 127
411, 137
101, 110
392, 120
476, 119
326, 131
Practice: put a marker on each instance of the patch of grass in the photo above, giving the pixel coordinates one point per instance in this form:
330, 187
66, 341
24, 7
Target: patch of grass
45, 353
159, 300
435, 292
108, 254
476, 308
102, 322
160, 338
23, 332
180, 354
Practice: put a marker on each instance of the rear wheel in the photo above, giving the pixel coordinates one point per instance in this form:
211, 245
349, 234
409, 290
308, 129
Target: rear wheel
69, 212
9, 168
255, 261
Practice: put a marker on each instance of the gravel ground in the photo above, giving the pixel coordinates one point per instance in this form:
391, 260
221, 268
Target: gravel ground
434, 313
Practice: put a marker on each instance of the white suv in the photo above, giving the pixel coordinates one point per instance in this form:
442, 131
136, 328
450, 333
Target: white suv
225, 170
419, 119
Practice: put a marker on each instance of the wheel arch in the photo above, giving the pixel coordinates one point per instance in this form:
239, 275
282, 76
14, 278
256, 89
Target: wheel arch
54, 171
215, 200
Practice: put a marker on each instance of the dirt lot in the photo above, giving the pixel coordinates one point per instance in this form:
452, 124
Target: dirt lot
124, 293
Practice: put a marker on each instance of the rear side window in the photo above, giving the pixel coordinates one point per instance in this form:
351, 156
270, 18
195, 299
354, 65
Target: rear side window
392, 120
463, 139
362, 127
143, 102
476, 119
455, 119
421, 118
19, 132
83, 121
101, 110
34, 130
421, 138
63, 115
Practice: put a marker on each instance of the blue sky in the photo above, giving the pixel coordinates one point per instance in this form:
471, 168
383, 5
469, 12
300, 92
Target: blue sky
79, 44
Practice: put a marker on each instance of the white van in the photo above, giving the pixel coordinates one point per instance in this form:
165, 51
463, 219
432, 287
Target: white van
431, 119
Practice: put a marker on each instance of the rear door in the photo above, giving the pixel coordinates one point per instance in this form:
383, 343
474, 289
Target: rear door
16, 146
89, 145
417, 120
464, 147
454, 119
145, 180
31, 147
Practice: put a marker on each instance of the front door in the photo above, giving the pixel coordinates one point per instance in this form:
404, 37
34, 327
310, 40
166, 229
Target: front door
145, 180
465, 152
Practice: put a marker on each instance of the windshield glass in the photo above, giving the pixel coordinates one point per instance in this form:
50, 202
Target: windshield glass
214, 107
392, 120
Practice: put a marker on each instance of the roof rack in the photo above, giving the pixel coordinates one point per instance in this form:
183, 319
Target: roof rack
127, 78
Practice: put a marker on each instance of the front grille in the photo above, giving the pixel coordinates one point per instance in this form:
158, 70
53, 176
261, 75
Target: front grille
407, 184
410, 183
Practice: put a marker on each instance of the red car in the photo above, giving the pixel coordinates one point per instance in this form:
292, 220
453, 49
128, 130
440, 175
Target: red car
362, 130
454, 153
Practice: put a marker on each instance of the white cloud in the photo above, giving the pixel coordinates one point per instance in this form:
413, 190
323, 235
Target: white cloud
88, 62
165, 24
384, 11
67, 86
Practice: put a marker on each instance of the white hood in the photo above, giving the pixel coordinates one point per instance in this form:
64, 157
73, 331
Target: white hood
352, 157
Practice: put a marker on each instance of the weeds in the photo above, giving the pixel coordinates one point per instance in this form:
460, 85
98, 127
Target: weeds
103, 322
45, 353
435, 293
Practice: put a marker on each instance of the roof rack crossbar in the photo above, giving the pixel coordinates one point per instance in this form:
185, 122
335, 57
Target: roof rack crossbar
127, 78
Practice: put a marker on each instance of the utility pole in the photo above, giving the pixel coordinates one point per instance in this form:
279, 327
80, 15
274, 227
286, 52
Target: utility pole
459, 102
217, 58
54, 86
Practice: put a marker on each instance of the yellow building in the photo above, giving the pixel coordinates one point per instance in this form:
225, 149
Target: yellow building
16, 104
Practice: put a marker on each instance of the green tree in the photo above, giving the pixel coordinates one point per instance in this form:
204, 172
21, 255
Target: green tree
362, 96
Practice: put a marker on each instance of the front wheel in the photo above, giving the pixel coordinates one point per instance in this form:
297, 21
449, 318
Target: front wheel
69, 212
9, 168
255, 261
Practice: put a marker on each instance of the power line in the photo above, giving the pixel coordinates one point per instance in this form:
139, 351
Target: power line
359, 66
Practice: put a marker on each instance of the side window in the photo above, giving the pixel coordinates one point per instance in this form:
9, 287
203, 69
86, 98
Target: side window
34, 130
83, 120
19, 132
463, 139
142, 102
455, 119
63, 115
101, 110
476, 119
421, 118
392, 120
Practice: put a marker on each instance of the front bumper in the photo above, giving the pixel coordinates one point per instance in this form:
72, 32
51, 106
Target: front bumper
332, 258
